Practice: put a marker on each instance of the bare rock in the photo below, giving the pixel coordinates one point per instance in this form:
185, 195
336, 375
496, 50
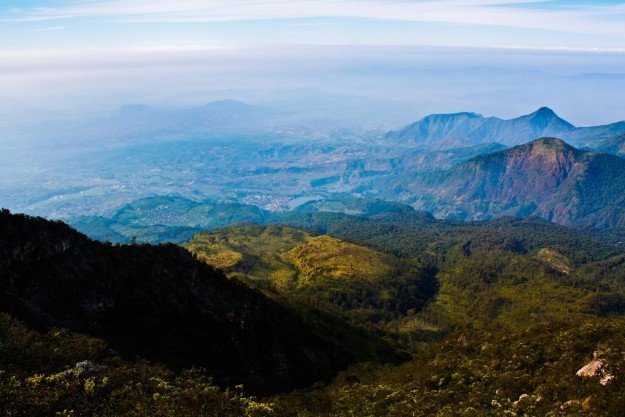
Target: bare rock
597, 368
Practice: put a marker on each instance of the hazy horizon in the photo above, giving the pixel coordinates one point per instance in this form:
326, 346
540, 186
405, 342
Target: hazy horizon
373, 64
331, 71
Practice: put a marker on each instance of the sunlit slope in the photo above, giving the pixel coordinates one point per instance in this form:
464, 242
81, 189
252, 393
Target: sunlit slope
360, 282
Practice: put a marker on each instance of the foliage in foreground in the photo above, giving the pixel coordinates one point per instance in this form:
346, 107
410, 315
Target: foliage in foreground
484, 373
520, 309
529, 372
65, 374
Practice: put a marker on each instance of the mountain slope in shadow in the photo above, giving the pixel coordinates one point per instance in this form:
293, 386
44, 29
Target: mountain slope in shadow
160, 303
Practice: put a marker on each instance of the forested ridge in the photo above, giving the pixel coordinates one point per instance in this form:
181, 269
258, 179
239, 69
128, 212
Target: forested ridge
500, 317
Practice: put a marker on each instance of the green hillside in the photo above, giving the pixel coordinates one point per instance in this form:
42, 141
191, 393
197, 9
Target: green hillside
523, 305
357, 282
166, 219
159, 303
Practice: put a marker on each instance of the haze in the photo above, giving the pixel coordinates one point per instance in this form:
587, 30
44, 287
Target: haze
373, 64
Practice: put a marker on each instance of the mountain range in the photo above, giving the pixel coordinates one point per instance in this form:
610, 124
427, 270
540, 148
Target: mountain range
547, 178
217, 116
222, 152
473, 128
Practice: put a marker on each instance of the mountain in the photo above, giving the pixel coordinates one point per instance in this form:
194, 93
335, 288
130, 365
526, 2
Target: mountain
143, 152
476, 129
546, 178
137, 124
583, 134
160, 303
613, 144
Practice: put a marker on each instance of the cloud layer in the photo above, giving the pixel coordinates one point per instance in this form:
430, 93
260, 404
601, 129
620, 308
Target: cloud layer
104, 53
605, 19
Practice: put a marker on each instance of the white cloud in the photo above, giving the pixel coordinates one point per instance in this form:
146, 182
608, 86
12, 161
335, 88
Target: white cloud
206, 60
48, 29
592, 19
557, 48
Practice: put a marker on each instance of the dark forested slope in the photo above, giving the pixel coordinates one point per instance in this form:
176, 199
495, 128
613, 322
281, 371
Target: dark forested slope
158, 302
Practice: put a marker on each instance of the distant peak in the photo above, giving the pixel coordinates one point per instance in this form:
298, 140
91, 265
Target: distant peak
545, 121
545, 112
464, 113
449, 116
134, 108
469, 114
227, 102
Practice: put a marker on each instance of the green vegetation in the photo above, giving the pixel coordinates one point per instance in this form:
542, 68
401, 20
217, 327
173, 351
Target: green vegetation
360, 284
418, 235
521, 308
497, 317
60, 373
160, 303
354, 206
496, 372
166, 219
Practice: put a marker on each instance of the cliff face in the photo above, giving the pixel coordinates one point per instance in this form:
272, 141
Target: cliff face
157, 302
546, 178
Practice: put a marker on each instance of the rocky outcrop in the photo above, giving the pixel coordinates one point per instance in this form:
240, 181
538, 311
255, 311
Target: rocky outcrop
597, 368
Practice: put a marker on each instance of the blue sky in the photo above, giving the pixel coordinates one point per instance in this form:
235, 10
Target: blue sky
110, 23
104, 53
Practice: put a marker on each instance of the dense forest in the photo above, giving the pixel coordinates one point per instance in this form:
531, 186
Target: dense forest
430, 317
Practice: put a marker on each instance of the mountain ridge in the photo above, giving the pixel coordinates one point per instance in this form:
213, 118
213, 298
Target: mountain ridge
614, 145
546, 177
477, 129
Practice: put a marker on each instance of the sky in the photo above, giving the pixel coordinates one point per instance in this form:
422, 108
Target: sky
496, 57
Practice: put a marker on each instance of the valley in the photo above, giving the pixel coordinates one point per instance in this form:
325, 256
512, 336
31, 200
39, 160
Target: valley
277, 172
